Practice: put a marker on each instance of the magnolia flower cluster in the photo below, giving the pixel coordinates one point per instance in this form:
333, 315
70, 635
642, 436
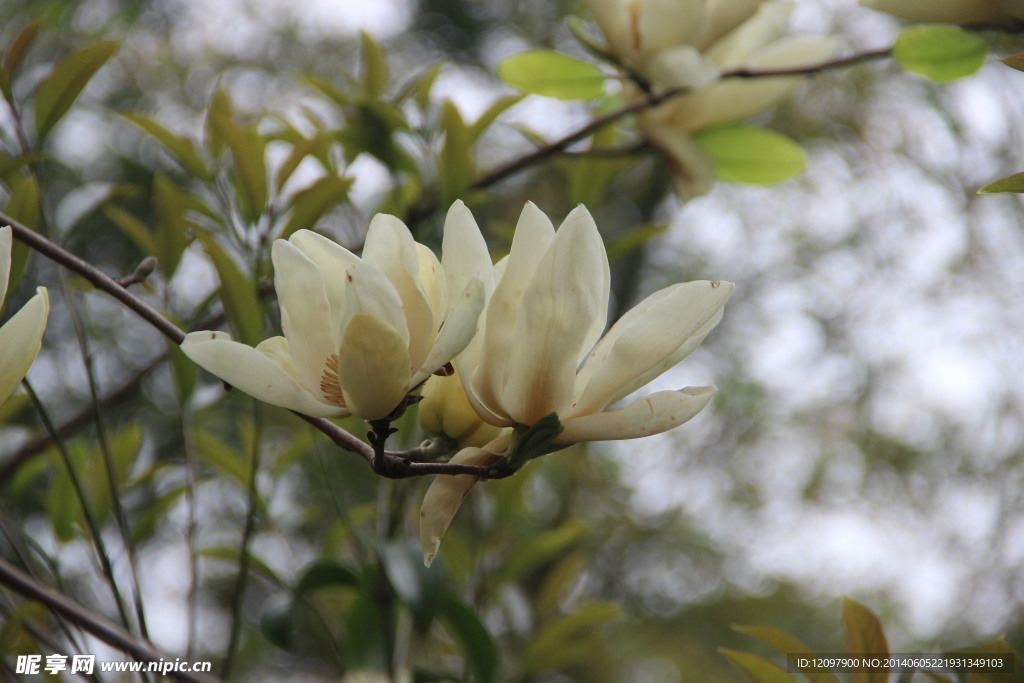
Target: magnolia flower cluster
690, 43
526, 336
953, 11
22, 335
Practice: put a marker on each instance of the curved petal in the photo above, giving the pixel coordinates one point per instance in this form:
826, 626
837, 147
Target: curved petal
333, 260
432, 282
302, 295
464, 253
692, 172
264, 372
765, 26
20, 340
447, 492
563, 311
391, 249
680, 66
459, 328
532, 237
664, 23
370, 293
5, 262
373, 367
721, 17
652, 414
651, 337
619, 22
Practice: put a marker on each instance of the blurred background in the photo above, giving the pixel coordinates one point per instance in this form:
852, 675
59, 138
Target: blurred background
866, 440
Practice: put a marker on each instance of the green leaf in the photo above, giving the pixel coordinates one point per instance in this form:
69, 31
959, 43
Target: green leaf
324, 574
477, 644
456, 166
216, 452
171, 225
552, 74
497, 108
301, 148
250, 176
786, 644
23, 206
1013, 183
241, 302
757, 669
180, 147
534, 441
61, 87
14, 56
940, 52
864, 635
230, 553
1015, 60
62, 505
310, 204
747, 154
375, 67
569, 640
220, 109
183, 370
132, 227
276, 622
996, 647
370, 127
540, 549
626, 244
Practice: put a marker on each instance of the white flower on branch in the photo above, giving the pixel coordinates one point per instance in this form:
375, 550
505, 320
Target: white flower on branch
690, 43
21, 337
540, 350
359, 333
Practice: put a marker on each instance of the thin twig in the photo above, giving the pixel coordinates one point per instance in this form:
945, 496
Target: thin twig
110, 633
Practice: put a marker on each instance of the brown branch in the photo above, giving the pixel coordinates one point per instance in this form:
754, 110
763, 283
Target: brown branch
108, 632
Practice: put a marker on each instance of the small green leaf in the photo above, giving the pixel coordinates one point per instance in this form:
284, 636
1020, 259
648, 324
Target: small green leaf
568, 640
497, 108
241, 302
216, 452
62, 86
997, 647
375, 67
132, 227
552, 74
171, 225
1013, 183
230, 553
456, 166
183, 370
23, 206
758, 669
864, 636
540, 549
324, 574
626, 244
301, 148
476, 641
181, 148
310, 204
534, 441
12, 60
940, 52
276, 622
747, 154
786, 644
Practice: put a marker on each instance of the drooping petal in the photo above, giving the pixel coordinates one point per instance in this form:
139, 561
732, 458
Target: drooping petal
464, 253
532, 237
563, 311
391, 249
5, 262
373, 367
459, 328
654, 414
447, 492
305, 311
660, 330
20, 340
263, 372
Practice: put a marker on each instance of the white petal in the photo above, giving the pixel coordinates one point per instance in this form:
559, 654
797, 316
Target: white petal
459, 328
562, 313
432, 282
652, 414
447, 492
692, 171
619, 24
464, 254
305, 311
20, 340
391, 249
263, 372
721, 17
532, 237
5, 262
373, 367
333, 260
369, 292
679, 66
664, 23
650, 338
767, 24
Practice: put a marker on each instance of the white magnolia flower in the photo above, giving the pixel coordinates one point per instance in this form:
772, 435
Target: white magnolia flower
22, 336
690, 43
952, 11
540, 350
359, 333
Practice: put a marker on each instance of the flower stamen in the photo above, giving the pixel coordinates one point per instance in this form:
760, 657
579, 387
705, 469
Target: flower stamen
329, 384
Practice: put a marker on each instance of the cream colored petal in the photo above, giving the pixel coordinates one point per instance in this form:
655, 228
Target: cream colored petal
651, 337
652, 414
369, 292
391, 249
5, 262
619, 22
20, 340
561, 309
459, 328
264, 372
432, 281
333, 260
766, 25
373, 367
305, 311
691, 170
447, 492
679, 66
464, 253
721, 17
532, 237
664, 23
